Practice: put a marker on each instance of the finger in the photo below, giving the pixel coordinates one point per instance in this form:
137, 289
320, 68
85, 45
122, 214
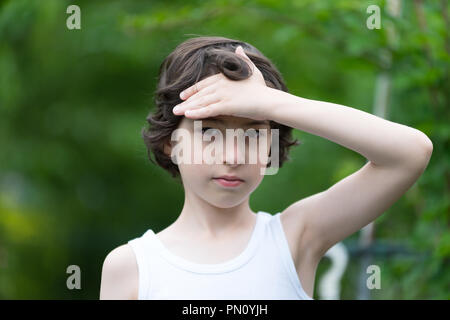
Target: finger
206, 91
193, 100
199, 86
256, 72
240, 51
205, 112
200, 102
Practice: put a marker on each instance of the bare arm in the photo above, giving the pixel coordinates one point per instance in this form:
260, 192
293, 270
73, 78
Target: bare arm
397, 155
119, 275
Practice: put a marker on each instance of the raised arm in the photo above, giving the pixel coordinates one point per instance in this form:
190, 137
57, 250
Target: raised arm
397, 155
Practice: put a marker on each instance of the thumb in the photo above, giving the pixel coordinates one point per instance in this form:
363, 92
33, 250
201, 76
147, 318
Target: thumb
240, 51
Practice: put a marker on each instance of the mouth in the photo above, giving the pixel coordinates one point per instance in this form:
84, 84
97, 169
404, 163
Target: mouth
229, 178
228, 181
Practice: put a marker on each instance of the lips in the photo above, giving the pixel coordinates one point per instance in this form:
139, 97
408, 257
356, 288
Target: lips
229, 178
228, 183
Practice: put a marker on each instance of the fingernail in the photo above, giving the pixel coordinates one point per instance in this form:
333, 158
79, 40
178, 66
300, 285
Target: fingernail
182, 94
177, 108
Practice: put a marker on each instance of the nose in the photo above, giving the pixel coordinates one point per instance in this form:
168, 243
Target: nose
234, 146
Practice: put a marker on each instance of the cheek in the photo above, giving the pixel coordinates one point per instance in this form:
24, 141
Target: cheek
195, 173
258, 174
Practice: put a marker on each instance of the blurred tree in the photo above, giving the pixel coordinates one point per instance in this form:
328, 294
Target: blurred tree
74, 178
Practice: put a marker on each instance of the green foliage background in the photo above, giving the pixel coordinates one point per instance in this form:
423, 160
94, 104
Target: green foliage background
75, 181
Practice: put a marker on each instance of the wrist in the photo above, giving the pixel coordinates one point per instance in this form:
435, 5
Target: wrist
277, 103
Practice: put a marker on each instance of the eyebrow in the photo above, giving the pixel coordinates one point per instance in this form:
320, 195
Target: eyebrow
248, 123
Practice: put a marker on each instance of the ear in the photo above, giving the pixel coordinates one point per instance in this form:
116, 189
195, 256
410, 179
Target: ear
167, 148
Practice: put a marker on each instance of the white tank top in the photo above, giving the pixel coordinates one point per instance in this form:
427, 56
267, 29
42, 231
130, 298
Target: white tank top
263, 271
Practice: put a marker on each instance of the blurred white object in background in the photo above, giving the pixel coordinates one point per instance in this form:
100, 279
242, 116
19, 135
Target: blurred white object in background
330, 282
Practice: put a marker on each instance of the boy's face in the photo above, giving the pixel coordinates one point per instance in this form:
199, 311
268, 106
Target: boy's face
200, 177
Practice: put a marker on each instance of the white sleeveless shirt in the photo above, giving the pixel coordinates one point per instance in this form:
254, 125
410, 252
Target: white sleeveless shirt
265, 269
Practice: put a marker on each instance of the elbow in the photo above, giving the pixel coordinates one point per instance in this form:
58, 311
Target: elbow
424, 149
426, 145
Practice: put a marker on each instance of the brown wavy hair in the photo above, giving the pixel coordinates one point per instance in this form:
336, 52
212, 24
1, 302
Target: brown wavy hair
192, 61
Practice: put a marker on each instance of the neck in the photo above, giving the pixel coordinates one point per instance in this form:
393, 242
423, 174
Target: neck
203, 219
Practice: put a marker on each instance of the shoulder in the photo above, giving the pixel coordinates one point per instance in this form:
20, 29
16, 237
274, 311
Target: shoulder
119, 274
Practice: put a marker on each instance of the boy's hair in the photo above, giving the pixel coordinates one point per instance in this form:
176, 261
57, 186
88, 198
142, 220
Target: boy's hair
192, 61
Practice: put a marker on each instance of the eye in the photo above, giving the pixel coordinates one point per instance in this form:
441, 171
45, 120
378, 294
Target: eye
212, 131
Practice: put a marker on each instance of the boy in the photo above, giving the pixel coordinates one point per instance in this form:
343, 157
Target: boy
218, 248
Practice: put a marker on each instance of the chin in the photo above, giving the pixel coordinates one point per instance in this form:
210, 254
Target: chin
226, 201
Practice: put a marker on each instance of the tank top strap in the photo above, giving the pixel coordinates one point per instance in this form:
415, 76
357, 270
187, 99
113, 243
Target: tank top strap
143, 248
281, 241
